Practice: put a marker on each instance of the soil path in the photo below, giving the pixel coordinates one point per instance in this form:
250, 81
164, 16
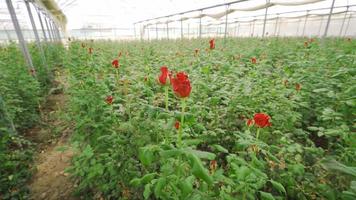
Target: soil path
50, 181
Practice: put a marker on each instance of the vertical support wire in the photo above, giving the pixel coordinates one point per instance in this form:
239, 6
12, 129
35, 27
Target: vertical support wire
265, 19
200, 26
22, 42
305, 23
167, 27
329, 17
38, 42
156, 32
226, 18
276, 26
181, 28
347, 25
343, 21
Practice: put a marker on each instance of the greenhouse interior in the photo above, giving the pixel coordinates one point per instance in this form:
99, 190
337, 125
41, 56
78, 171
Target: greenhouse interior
178, 99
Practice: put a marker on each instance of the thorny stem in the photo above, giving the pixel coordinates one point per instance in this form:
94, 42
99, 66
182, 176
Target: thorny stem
258, 133
181, 123
166, 91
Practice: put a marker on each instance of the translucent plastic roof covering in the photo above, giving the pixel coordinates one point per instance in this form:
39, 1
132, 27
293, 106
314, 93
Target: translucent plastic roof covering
114, 19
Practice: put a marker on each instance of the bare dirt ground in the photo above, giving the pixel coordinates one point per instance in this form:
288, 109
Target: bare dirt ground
50, 181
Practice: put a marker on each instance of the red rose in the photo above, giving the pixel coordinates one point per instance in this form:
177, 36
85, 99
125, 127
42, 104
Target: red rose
298, 87
164, 74
115, 63
109, 99
177, 125
253, 60
83, 45
250, 122
212, 43
90, 50
262, 120
181, 85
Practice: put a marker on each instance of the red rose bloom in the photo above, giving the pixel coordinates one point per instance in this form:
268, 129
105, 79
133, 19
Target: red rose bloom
250, 122
262, 120
164, 74
298, 87
109, 99
177, 125
181, 85
253, 60
115, 63
90, 50
212, 43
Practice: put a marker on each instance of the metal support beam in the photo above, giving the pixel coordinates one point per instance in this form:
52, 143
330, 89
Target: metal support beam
148, 33
265, 19
48, 30
188, 30
38, 42
42, 27
134, 30
329, 17
226, 17
20, 37
253, 27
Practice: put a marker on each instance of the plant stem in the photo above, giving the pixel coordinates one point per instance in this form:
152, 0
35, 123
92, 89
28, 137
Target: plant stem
181, 124
258, 133
117, 77
166, 91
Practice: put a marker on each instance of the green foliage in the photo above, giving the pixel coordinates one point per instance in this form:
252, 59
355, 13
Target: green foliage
130, 148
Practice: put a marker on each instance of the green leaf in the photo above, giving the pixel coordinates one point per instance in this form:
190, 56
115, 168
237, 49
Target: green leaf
146, 156
278, 186
198, 170
147, 192
201, 154
332, 164
220, 148
266, 196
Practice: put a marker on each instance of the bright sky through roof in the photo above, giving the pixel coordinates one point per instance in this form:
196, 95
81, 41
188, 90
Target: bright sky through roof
123, 13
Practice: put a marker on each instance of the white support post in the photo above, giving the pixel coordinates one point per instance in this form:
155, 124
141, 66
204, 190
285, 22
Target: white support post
265, 19
329, 17
226, 18
148, 32
20, 37
253, 27
200, 27
188, 30
134, 29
